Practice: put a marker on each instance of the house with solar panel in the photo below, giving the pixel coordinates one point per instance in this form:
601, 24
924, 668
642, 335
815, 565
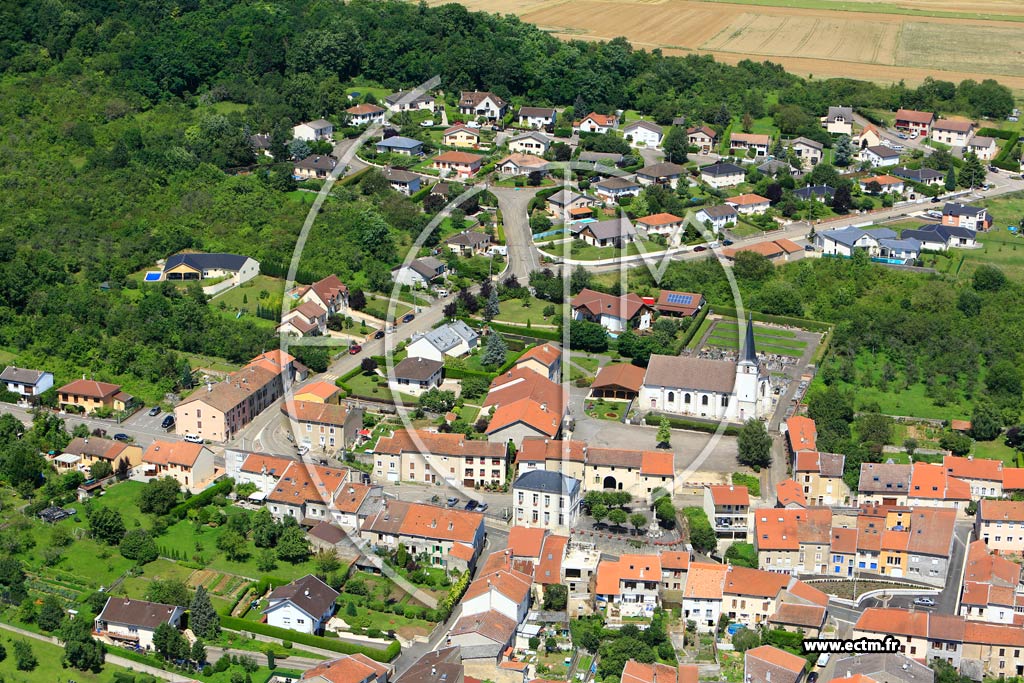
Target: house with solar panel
679, 304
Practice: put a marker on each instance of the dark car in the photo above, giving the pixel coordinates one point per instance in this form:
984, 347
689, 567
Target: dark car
379, 334
726, 243
812, 677
993, 169
935, 200
408, 318
354, 349
472, 505
700, 247
154, 411
122, 437
168, 422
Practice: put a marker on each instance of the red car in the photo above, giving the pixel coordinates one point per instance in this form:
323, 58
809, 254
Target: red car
354, 349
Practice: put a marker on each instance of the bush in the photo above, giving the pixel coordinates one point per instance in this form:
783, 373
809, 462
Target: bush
385, 655
694, 425
223, 487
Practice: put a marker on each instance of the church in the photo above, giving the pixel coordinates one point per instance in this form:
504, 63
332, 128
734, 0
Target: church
714, 389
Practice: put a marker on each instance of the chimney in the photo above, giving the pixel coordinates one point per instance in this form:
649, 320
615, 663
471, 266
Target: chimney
433, 671
306, 592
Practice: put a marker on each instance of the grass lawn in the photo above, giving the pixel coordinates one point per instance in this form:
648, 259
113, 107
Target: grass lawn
897, 458
136, 586
514, 311
124, 497
378, 307
196, 360
759, 331
586, 252
472, 361
912, 401
744, 229
606, 410
905, 224
250, 291
996, 450
1000, 248
363, 385
49, 669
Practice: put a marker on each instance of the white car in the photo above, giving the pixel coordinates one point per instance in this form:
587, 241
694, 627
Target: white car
427, 124
193, 438
913, 136
472, 124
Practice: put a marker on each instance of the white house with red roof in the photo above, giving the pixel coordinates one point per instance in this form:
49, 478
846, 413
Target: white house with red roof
912, 121
544, 359
629, 586
1000, 523
596, 123
190, 464
614, 313
728, 510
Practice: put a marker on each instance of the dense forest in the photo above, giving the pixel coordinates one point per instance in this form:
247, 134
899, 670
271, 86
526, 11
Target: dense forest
119, 120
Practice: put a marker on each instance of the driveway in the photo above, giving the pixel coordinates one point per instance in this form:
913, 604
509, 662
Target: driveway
514, 204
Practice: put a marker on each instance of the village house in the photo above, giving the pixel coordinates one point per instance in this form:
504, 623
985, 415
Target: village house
882, 184
992, 590
401, 181
217, 411
579, 572
679, 304
544, 359
195, 266
461, 135
1000, 523
469, 243
315, 166
419, 272
883, 484
818, 193
789, 494
745, 142
482, 639
132, 623
260, 469
260, 144
932, 486
702, 594
565, 201
820, 476
596, 123
415, 376
304, 492
937, 237
614, 313
330, 293
984, 476
406, 100
767, 664
190, 464
25, 383
637, 672
365, 114
614, 232
304, 605
838, 120
482, 105
966, 216
844, 241
748, 204
717, 218
983, 147
537, 118
611, 190
868, 137
327, 426
84, 452
356, 668
459, 164
87, 396
809, 151
952, 133
608, 159
453, 339
880, 156
728, 509
549, 500
704, 138
643, 134
722, 175
397, 144
443, 665
354, 503
674, 566
525, 403
665, 224
306, 319
530, 143
319, 129
663, 173
427, 529
521, 164
750, 596
433, 458
793, 540
914, 122
705, 387
618, 381
501, 586
924, 176
628, 587
643, 474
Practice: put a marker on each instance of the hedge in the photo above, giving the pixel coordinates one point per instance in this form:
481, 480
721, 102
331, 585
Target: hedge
995, 133
340, 382
463, 373
551, 335
695, 325
802, 323
421, 193
385, 655
694, 425
353, 178
1006, 159
222, 487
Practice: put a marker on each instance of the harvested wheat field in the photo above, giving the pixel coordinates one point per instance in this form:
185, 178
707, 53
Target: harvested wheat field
884, 42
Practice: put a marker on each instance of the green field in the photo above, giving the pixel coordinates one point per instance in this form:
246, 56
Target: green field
767, 339
49, 669
997, 450
515, 311
248, 294
585, 252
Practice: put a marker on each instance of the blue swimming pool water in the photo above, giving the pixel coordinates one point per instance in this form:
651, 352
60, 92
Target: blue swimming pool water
153, 276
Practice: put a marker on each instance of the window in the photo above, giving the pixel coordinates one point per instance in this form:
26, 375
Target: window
703, 400
725, 401
671, 397
686, 398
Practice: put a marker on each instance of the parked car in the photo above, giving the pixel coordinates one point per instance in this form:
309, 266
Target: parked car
481, 507
122, 437
901, 136
154, 411
168, 422
379, 334
193, 438
913, 136
726, 243
700, 247
472, 505
354, 349
812, 677
453, 501
924, 602
936, 200
993, 169
428, 123
408, 317
303, 449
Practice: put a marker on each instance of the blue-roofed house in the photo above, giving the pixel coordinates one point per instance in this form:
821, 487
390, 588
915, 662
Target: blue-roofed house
817, 192
904, 249
454, 339
937, 237
843, 241
195, 266
400, 145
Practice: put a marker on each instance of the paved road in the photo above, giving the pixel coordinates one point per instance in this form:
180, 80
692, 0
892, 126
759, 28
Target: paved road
523, 257
143, 432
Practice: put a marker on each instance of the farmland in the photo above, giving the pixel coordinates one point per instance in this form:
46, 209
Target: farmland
884, 42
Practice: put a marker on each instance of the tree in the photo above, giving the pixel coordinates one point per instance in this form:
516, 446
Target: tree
357, 299
123, 469
492, 308
168, 592
745, 639
402, 555
551, 644
198, 653
676, 145
159, 496
80, 649
139, 545
959, 444
50, 614
665, 511
842, 201
988, 278
598, 512
579, 279
539, 222
203, 618
24, 657
556, 597
587, 336
664, 435
752, 267
106, 525
950, 184
910, 445
169, 643
264, 530
617, 516
986, 421
495, 351
266, 560
874, 429
742, 554
972, 174
638, 520
754, 444
842, 153
533, 643
233, 545
437, 400
101, 469
326, 561
292, 546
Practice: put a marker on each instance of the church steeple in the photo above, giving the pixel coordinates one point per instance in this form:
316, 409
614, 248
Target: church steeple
748, 356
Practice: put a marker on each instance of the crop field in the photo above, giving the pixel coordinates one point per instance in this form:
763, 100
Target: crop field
880, 41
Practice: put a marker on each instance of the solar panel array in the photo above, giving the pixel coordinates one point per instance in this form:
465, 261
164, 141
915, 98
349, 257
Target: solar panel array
683, 299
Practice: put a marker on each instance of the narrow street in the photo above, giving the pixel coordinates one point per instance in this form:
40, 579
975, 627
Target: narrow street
514, 203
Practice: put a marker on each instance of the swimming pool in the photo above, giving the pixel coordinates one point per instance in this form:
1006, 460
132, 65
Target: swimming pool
153, 276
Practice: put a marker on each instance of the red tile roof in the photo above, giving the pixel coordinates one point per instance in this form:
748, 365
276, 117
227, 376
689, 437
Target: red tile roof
539, 449
806, 591
628, 567
173, 453
90, 388
729, 494
347, 669
793, 614
459, 158
973, 468
747, 200
705, 581
624, 375
1001, 510
780, 658
657, 463
914, 116
932, 482
1013, 478
657, 219
549, 569
802, 433
788, 492
525, 541
675, 559
895, 621
545, 354
755, 582
597, 303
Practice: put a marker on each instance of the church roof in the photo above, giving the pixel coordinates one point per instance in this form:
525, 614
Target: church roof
749, 354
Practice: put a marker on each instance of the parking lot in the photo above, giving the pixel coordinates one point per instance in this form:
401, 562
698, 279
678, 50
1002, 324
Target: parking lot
143, 420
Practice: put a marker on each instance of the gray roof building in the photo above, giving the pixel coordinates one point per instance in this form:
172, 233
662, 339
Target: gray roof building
416, 369
399, 142
310, 594
917, 175
884, 478
722, 169
814, 191
543, 481
849, 235
608, 229
597, 157
844, 113
957, 209
206, 261
148, 615
448, 336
